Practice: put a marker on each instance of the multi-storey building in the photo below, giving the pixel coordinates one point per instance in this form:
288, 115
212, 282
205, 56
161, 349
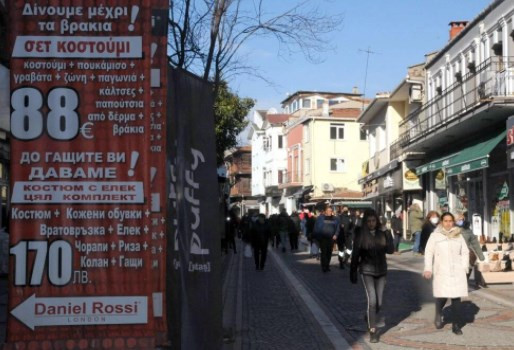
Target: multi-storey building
461, 128
269, 159
389, 175
238, 162
326, 146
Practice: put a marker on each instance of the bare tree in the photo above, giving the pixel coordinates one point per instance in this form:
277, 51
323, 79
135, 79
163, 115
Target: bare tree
206, 36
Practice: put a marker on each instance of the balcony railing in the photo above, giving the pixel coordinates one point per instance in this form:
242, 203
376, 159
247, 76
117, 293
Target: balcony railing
493, 78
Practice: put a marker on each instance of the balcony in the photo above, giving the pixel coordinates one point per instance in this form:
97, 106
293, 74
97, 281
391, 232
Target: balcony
487, 86
290, 179
241, 188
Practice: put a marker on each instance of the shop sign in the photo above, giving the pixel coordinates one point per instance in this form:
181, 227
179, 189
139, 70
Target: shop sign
504, 192
388, 182
468, 166
88, 165
477, 224
411, 180
440, 180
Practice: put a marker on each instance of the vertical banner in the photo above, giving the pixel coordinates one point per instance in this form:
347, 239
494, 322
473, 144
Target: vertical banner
87, 229
194, 276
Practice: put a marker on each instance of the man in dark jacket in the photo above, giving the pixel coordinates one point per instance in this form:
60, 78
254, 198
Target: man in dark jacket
284, 227
294, 231
326, 230
260, 235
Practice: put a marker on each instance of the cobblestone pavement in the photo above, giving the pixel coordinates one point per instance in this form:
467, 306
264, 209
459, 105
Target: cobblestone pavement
273, 315
408, 308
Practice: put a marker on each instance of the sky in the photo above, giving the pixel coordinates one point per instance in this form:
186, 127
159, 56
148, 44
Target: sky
400, 32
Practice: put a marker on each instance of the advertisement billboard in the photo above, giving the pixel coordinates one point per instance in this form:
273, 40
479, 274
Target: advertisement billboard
88, 206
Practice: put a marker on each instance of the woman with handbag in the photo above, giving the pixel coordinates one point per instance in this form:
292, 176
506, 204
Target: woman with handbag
370, 246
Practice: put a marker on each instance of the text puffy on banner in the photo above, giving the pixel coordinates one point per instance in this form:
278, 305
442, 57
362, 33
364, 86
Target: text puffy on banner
87, 228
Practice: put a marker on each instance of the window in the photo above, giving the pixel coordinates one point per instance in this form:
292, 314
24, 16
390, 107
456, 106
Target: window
363, 133
381, 139
333, 102
306, 103
337, 164
319, 103
280, 141
337, 131
280, 177
266, 144
306, 135
295, 106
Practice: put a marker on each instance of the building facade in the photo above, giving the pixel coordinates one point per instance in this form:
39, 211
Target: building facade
269, 159
388, 176
326, 146
238, 162
461, 129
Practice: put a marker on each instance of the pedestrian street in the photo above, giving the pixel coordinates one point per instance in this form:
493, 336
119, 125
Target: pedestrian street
292, 304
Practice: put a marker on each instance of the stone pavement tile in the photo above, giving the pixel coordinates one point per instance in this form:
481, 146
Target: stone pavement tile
273, 316
409, 309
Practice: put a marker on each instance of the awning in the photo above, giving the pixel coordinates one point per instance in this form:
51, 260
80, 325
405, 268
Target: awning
436, 164
474, 157
355, 204
384, 170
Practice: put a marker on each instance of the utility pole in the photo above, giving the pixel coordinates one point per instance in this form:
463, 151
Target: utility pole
368, 52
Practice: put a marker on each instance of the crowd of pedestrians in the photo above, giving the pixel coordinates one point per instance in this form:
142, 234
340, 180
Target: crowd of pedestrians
363, 240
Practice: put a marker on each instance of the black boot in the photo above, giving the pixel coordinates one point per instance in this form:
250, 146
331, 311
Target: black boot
456, 329
438, 322
373, 336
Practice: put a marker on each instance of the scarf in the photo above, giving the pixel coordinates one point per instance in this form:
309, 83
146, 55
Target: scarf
454, 232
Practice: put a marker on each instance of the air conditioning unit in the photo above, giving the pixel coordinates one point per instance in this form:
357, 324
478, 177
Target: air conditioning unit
326, 187
416, 93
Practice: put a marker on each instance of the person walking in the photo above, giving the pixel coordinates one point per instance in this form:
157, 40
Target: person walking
431, 222
294, 231
415, 224
309, 233
344, 240
370, 246
397, 228
260, 236
475, 251
284, 227
446, 262
326, 230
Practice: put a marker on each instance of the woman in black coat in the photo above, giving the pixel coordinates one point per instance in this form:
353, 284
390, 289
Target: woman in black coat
431, 222
370, 247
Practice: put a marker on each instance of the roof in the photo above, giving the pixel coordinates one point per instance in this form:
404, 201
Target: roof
274, 119
326, 93
459, 36
341, 193
373, 108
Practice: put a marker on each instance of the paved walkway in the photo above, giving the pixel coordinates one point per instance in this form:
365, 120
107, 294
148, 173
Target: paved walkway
313, 310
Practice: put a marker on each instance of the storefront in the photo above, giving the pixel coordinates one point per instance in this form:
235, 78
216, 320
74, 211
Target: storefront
476, 181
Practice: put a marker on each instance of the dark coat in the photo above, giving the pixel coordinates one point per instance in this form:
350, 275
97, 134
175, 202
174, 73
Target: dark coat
426, 231
371, 260
397, 225
325, 228
345, 221
260, 233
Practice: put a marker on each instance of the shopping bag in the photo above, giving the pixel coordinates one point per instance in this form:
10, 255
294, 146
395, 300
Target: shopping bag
314, 248
248, 251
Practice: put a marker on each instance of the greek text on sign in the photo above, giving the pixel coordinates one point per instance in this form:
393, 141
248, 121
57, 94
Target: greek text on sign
77, 311
78, 46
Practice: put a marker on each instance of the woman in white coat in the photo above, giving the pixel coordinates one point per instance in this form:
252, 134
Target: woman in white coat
447, 261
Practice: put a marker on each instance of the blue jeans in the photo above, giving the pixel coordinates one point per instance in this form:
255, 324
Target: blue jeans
417, 239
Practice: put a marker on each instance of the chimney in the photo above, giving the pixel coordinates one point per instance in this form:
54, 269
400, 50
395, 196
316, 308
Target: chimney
355, 90
456, 27
324, 109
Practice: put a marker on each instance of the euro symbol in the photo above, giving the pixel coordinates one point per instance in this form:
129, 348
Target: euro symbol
86, 130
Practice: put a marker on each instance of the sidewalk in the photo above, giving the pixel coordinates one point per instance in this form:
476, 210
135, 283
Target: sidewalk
278, 312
